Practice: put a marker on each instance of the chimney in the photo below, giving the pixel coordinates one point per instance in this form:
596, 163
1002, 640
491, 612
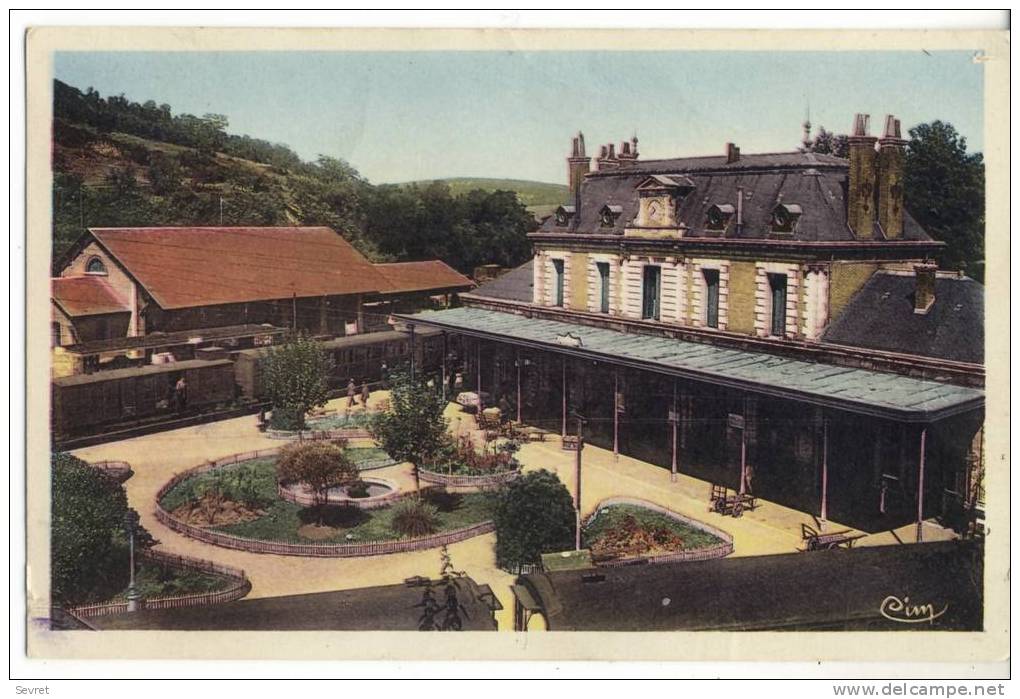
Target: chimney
732, 153
890, 179
577, 164
924, 287
860, 208
607, 159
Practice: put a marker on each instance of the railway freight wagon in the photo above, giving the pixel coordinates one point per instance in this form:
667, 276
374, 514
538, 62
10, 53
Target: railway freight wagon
358, 357
84, 403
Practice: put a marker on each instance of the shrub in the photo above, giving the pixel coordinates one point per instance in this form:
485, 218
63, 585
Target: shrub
415, 517
534, 515
88, 545
412, 428
318, 465
294, 376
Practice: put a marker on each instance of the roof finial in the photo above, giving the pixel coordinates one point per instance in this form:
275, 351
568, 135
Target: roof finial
806, 142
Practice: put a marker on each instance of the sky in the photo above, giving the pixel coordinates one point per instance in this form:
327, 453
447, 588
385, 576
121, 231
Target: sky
400, 116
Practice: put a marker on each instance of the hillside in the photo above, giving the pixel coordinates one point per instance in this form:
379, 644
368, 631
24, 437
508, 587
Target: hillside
530, 192
121, 163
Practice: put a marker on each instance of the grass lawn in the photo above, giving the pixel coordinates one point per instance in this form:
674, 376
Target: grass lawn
611, 518
283, 519
155, 580
339, 420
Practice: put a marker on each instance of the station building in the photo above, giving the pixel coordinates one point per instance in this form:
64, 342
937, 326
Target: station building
773, 323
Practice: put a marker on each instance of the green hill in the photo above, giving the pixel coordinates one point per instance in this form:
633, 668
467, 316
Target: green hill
541, 198
123, 163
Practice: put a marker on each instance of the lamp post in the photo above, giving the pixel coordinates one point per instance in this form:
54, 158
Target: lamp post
576, 444
131, 527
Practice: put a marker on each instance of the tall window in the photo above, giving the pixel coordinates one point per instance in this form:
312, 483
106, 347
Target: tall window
712, 298
650, 296
777, 284
603, 268
558, 269
95, 266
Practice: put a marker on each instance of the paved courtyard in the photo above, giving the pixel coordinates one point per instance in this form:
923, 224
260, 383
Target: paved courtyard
769, 529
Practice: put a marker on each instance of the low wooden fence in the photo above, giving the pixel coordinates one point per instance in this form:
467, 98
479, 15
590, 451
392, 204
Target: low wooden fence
488, 480
346, 550
239, 587
319, 435
720, 550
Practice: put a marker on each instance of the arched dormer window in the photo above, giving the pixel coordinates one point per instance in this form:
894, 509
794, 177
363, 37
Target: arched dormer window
608, 215
95, 266
784, 217
564, 214
719, 216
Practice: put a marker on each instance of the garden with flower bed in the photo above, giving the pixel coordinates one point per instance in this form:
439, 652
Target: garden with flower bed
625, 530
460, 464
243, 500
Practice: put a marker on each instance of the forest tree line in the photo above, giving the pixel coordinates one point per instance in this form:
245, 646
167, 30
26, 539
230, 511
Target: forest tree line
123, 163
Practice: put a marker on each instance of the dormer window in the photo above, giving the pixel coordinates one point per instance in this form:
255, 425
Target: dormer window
564, 214
718, 216
608, 215
784, 218
95, 266
659, 200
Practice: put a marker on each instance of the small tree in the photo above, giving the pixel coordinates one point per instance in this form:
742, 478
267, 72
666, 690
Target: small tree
88, 544
319, 465
294, 377
413, 429
534, 515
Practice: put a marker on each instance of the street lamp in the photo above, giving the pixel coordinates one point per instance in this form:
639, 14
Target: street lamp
576, 444
131, 527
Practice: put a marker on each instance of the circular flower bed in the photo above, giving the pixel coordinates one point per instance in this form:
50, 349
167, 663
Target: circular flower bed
236, 503
622, 530
463, 466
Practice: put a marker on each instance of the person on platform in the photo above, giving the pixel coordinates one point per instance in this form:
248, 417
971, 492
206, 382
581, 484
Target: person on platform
352, 391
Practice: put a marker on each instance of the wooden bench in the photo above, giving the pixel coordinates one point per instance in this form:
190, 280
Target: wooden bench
815, 540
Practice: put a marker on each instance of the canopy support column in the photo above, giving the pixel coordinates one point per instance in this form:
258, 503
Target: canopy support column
478, 378
563, 368
616, 413
519, 393
920, 486
673, 424
446, 369
824, 514
743, 452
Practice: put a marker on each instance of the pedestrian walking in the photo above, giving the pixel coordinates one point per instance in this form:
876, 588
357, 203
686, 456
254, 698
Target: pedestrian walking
364, 394
352, 391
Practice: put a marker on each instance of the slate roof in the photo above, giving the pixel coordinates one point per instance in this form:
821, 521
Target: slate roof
87, 295
837, 589
863, 391
516, 285
814, 181
422, 276
382, 608
881, 316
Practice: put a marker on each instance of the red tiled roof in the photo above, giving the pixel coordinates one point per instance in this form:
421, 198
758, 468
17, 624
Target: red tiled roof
422, 276
188, 267
86, 296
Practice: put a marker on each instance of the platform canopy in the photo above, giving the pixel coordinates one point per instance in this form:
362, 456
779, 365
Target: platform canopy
875, 393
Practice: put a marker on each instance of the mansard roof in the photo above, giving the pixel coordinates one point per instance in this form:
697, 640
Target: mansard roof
815, 182
881, 316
